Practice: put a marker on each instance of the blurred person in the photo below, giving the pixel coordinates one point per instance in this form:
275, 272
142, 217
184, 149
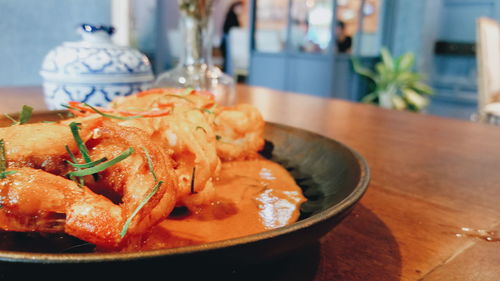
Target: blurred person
344, 41
232, 20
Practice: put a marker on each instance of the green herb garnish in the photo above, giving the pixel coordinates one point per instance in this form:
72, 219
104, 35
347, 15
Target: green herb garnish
218, 138
187, 91
4, 174
73, 158
14, 121
3, 159
178, 96
79, 142
150, 163
3, 162
201, 128
87, 165
146, 199
192, 180
210, 110
141, 205
24, 116
112, 116
71, 155
101, 167
81, 145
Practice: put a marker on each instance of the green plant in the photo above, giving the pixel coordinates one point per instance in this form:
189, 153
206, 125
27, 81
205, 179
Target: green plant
396, 85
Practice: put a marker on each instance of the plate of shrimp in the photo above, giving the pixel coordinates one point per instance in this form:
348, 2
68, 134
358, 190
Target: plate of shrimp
166, 174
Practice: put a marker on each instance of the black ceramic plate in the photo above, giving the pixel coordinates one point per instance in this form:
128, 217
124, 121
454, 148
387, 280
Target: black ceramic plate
333, 178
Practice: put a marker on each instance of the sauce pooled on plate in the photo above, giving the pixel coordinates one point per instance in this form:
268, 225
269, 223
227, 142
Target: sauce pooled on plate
251, 197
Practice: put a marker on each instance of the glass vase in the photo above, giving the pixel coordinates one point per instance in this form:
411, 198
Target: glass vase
195, 68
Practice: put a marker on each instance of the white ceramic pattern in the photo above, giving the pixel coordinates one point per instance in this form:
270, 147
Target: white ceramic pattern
93, 70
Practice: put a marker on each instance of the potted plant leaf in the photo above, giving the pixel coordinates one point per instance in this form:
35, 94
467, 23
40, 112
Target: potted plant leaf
396, 85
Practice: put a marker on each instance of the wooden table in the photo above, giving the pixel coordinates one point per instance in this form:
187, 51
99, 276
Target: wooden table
431, 178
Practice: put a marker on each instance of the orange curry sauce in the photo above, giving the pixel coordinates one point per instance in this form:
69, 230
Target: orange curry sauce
251, 197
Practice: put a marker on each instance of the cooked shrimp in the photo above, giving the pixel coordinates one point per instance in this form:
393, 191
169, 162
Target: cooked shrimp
34, 200
240, 132
195, 133
130, 181
40, 146
38, 201
186, 134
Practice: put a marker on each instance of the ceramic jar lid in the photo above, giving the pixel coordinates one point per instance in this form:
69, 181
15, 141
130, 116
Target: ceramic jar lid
95, 59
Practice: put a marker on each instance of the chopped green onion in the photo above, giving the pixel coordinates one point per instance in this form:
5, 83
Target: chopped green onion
217, 137
81, 145
103, 166
88, 165
150, 163
112, 116
3, 159
139, 207
192, 180
25, 114
4, 174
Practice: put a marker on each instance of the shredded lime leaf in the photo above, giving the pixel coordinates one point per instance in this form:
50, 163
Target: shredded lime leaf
192, 180
3, 175
25, 114
179, 96
3, 162
139, 207
88, 165
150, 164
187, 91
3, 159
14, 121
146, 199
103, 166
79, 142
201, 128
81, 145
73, 158
112, 116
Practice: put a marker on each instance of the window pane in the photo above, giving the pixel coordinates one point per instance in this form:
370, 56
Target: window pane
311, 25
348, 20
271, 24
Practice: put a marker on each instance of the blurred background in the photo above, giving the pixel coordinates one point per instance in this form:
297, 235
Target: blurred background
303, 46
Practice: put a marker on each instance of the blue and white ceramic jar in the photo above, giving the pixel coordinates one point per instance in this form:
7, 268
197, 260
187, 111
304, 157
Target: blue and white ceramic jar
93, 70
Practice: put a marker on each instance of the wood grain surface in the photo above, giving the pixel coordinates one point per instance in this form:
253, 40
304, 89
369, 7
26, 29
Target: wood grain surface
432, 178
